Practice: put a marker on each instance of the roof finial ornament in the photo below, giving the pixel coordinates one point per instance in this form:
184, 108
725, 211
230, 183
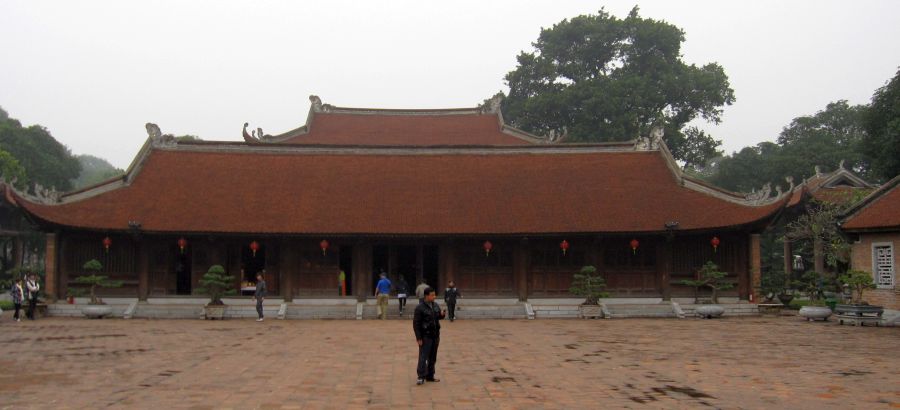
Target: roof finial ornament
757, 197
841, 165
790, 181
45, 195
157, 138
818, 171
651, 141
247, 136
316, 103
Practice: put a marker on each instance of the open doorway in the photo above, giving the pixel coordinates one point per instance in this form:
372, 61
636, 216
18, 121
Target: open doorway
345, 264
252, 263
182, 270
430, 266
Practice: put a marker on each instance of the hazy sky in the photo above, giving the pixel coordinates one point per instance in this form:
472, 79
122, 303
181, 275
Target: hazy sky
94, 72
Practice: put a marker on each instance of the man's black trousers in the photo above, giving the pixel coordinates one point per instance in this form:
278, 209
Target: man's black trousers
427, 357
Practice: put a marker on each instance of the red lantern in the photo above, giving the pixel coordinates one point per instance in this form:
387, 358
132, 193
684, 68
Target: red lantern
634, 245
715, 243
564, 245
107, 243
324, 246
487, 248
182, 243
254, 246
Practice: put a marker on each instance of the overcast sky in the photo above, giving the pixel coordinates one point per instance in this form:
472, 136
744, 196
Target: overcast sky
94, 72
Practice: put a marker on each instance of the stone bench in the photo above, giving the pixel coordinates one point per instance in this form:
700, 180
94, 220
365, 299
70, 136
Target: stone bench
858, 320
770, 308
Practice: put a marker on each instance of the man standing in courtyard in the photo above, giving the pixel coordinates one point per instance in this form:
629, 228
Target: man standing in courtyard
450, 296
382, 293
32, 288
427, 327
260, 294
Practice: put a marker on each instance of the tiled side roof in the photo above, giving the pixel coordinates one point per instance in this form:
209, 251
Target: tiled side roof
880, 210
410, 130
301, 191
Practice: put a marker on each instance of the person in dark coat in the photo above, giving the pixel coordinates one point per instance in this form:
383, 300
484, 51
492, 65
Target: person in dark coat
450, 296
427, 327
32, 287
402, 292
17, 296
260, 294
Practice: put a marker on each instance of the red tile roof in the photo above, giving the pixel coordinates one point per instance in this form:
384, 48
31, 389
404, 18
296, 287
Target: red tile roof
405, 129
881, 210
379, 191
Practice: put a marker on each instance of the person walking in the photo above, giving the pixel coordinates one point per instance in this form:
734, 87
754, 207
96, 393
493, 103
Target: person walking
260, 294
450, 296
420, 290
17, 296
382, 293
427, 327
32, 287
402, 289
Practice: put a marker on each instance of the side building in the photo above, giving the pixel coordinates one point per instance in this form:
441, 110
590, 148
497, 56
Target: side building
431, 195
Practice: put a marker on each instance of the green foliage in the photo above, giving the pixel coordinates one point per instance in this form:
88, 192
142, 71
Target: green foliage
94, 170
882, 123
814, 285
710, 276
824, 139
94, 280
45, 160
7, 305
858, 281
602, 78
11, 169
820, 223
216, 284
589, 284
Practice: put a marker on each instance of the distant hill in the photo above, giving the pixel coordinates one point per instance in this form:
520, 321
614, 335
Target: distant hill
94, 170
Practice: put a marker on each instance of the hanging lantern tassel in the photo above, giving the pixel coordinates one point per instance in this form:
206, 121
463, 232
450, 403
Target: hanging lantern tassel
487, 248
254, 246
324, 246
715, 243
107, 243
182, 243
564, 245
634, 246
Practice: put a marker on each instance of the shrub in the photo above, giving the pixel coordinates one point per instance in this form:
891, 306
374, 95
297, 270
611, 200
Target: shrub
589, 284
94, 280
216, 284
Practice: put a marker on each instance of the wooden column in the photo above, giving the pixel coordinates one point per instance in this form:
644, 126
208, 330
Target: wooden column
143, 265
788, 261
446, 256
18, 252
287, 266
755, 268
521, 268
362, 270
818, 256
665, 271
62, 272
51, 266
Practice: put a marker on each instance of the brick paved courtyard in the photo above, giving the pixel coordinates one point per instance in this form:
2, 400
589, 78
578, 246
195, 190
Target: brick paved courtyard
772, 362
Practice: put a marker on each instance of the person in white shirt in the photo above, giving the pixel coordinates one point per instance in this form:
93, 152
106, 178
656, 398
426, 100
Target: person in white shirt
32, 286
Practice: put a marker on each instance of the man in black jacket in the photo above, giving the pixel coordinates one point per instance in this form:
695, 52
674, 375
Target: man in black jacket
427, 326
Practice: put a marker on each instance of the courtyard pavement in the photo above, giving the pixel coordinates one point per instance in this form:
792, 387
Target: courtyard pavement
757, 362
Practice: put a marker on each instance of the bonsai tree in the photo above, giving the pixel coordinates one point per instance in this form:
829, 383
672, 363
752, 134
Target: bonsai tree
709, 276
216, 284
588, 284
93, 267
858, 281
813, 283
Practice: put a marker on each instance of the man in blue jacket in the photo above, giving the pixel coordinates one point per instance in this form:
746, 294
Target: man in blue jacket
427, 326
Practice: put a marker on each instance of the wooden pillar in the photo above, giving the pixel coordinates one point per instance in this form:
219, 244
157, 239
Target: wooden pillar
665, 268
818, 256
51, 266
788, 261
521, 268
446, 257
755, 269
18, 252
287, 266
62, 272
362, 270
143, 265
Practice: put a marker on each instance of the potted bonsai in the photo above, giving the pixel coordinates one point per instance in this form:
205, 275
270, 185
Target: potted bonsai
96, 308
858, 281
589, 284
813, 286
216, 284
711, 277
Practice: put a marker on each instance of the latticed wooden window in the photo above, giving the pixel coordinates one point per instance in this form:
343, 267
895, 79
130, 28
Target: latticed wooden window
883, 265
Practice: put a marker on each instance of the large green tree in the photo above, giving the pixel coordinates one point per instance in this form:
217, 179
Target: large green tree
602, 78
94, 170
882, 142
45, 160
825, 139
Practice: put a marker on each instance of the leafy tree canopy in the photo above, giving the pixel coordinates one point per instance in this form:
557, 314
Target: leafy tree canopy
45, 160
882, 123
94, 170
602, 78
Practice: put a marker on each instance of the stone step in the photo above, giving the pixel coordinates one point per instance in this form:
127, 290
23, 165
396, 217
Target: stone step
633, 310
